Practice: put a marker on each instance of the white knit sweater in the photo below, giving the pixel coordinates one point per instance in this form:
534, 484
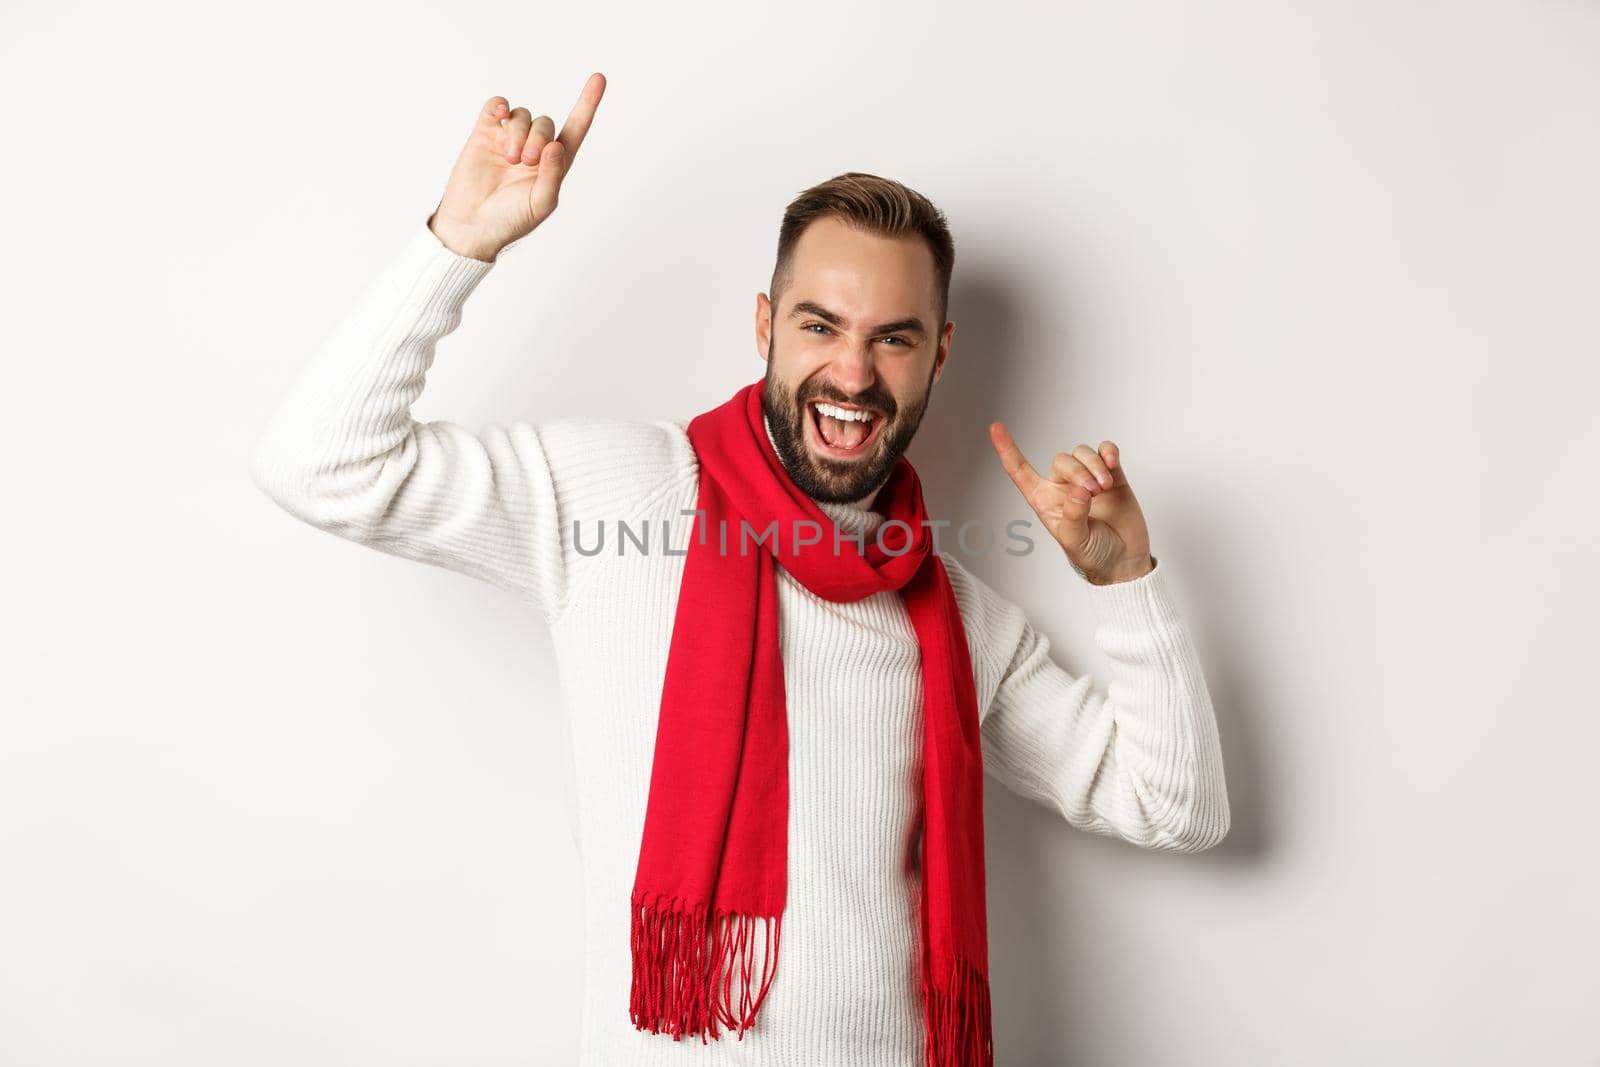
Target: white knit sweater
1139, 759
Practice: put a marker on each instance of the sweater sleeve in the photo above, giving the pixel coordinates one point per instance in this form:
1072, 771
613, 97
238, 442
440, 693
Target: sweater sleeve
343, 453
1139, 759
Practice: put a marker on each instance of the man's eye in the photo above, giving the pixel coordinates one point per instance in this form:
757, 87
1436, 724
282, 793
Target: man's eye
900, 341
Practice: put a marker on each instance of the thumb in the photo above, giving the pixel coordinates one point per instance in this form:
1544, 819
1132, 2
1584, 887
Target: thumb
547, 186
1073, 530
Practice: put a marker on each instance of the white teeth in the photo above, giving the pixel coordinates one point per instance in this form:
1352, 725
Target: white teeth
845, 414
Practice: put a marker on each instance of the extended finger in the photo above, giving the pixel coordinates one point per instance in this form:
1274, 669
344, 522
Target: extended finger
540, 134
576, 128
1011, 458
1096, 464
516, 125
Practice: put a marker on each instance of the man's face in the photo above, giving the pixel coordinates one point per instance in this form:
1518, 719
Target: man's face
857, 329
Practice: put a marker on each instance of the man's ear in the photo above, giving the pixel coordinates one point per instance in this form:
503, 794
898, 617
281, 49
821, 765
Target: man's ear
763, 326
945, 337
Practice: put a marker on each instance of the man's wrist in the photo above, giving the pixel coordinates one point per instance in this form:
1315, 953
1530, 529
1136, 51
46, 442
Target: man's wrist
1126, 571
460, 240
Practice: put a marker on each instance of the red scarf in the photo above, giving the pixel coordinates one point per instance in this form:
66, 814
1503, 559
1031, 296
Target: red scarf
709, 894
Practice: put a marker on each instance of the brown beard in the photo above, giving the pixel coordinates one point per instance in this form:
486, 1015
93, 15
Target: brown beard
832, 481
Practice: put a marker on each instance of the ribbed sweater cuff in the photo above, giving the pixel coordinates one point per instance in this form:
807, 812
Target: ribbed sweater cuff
435, 275
1139, 605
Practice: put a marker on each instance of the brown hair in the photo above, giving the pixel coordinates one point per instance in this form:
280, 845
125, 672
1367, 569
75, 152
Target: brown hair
876, 205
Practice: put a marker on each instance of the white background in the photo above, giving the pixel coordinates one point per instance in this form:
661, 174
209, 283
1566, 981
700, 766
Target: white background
1325, 271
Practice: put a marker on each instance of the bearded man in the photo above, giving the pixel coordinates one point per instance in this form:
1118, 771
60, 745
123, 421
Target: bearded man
781, 712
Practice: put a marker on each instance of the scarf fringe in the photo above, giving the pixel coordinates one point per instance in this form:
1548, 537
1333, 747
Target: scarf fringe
960, 1030
685, 960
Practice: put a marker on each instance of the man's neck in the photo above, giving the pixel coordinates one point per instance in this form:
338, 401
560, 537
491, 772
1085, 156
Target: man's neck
863, 504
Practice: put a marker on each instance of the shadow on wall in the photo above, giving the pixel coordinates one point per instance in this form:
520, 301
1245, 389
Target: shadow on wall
951, 451
1037, 946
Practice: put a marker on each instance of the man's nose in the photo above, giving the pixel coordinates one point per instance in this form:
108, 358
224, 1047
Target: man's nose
853, 371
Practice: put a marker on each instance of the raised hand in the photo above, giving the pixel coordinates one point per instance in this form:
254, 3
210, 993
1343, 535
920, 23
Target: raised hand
1086, 504
508, 177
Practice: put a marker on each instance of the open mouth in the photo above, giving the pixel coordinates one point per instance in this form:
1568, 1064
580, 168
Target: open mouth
841, 431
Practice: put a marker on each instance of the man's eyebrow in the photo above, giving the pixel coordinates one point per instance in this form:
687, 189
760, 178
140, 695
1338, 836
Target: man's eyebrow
811, 307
